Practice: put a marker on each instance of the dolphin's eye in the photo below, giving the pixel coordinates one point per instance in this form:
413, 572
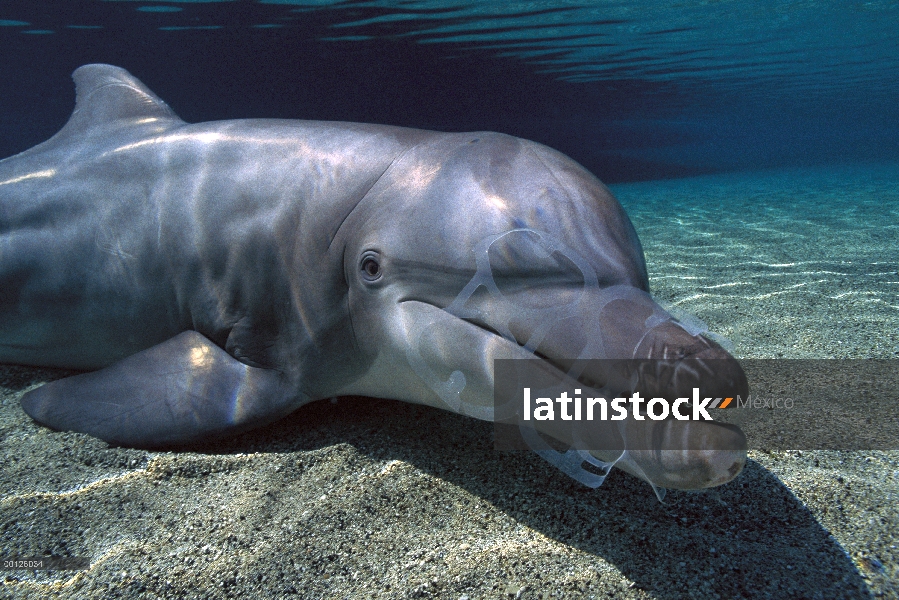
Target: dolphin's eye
371, 268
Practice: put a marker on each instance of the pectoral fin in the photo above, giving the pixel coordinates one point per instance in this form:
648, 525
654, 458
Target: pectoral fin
183, 390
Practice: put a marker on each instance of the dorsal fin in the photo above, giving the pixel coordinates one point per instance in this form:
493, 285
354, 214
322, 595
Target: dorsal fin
105, 94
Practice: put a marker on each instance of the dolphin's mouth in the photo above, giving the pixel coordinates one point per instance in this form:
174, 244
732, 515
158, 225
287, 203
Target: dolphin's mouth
559, 365
562, 367
689, 358
582, 333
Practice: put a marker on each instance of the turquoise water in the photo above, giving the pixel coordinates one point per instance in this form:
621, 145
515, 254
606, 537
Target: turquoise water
791, 263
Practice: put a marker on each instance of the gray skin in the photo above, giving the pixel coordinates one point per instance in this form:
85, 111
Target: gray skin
214, 277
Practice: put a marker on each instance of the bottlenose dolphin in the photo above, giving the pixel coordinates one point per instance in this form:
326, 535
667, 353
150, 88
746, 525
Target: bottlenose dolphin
214, 277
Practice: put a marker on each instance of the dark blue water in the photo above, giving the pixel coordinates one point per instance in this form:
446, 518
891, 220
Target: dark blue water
633, 90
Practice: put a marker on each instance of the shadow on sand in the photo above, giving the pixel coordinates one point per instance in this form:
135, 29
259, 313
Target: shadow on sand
750, 538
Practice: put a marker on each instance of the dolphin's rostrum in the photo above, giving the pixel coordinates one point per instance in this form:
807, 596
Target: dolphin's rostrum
214, 277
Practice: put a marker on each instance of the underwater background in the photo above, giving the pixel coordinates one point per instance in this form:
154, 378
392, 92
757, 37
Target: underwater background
631, 90
755, 146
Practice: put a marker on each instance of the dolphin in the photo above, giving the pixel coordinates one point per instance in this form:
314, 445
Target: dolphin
214, 277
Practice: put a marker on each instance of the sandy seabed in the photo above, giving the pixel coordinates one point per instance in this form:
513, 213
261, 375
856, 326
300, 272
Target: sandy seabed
371, 498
